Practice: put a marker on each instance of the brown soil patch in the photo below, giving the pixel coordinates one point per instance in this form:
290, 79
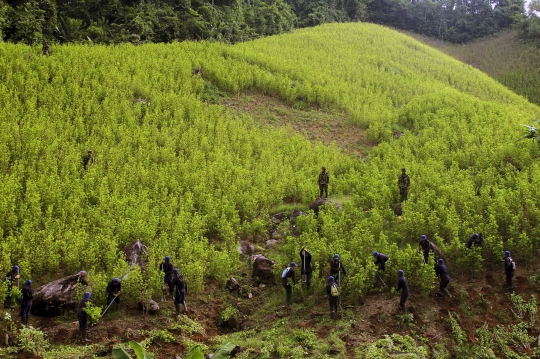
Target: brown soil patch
314, 123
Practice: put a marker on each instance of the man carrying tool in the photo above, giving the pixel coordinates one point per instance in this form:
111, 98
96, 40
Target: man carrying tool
10, 278
424, 247
403, 285
167, 267
113, 291
306, 270
336, 268
83, 316
442, 273
180, 289
333, 295
26, 301
288, 273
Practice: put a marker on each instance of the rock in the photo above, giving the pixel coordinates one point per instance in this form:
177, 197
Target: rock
136, 254
315, 206
276, 235
271, 243
250, 296
233, 285
263, 270
255, 291
152, 306
279, 217
54, 298
246, 248
295, 214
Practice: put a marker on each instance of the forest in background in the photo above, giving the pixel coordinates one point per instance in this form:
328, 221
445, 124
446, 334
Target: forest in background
117, 21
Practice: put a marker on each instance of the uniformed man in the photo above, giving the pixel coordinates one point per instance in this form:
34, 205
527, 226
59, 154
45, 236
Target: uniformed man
167, 267
88, 159
26, 301
180, 289
10, 277
306, 270
442, 273
288, 275
333, 295
509, 268
404, 182
83, 316
113, 291
46, 48
424, 247
323, 181
380, 260
403, 285
337, 269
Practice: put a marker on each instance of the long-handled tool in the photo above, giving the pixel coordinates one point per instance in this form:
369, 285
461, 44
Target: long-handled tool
304, 276
112, 301
382, 280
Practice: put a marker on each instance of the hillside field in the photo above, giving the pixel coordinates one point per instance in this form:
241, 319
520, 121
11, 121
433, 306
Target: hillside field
191, 163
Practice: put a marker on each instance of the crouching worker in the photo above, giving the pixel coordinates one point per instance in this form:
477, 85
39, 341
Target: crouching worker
26, 301
179, 291
83, 316
333, 295
113, 291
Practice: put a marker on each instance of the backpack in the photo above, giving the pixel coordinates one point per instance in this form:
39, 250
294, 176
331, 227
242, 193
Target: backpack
285, 271
334, 290
513, 264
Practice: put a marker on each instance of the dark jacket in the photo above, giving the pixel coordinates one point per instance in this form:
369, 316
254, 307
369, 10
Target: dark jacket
404, 181
179, 285
508, 268
475, 240
27, 295
424, 245
324, 178
113, 288
403, 285
442, 272
82, 304
308, 267
290, 274
381, 259
336, 267
167, 268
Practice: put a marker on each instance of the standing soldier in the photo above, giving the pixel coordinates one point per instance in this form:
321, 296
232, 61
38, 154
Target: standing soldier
83, 316
442, 273
179, 291
336, 268
404, 287
333, 295
424, 247
167, 267
380, 260
288, 273
404, 182
306, 270
45, 48
26, 302
323, 181
509, 268
87, 159
113, 291
10, 278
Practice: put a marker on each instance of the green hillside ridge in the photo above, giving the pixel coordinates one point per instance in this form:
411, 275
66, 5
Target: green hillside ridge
190, 178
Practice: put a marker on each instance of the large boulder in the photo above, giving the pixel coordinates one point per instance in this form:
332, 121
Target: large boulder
279, 217
55, 297
271, 243
315, 206
148, 305
295, 214
233, 285
136, 254
263, 270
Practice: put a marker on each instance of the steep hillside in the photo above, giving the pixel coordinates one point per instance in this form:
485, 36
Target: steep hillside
504, 57
186, 161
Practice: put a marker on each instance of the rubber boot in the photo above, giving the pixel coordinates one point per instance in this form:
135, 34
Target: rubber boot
177, 309
403, 311
446, 292
83, 335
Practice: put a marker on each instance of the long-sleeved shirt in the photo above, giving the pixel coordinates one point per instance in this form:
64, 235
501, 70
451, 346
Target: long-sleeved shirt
381, 259
179, 284
27, 295
336, 267
508, 267
289, 274
403, 285
324, 178
404, 181
424, 245
442, 272
113, 288
82, 305
306, 267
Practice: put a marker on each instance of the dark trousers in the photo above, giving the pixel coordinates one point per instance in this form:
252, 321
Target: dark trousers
111, 297
323, 188
179, 298
444, 284
288, 289
403, 300
83, 322
509, 276
308, 278
333, 301
403, 192
426, 257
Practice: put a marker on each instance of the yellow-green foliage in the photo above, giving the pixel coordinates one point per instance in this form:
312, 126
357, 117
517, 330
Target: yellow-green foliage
186, 177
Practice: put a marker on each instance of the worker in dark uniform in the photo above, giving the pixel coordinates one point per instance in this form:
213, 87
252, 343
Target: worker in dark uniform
10, 277
337, 269
403, 285
509, 269
88, 159
306, 270
287, 276
83, 316
380, 260
167, 268
333, 295
424, 247
26, 301
442, 273
476, 240
113, 291
180, 289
